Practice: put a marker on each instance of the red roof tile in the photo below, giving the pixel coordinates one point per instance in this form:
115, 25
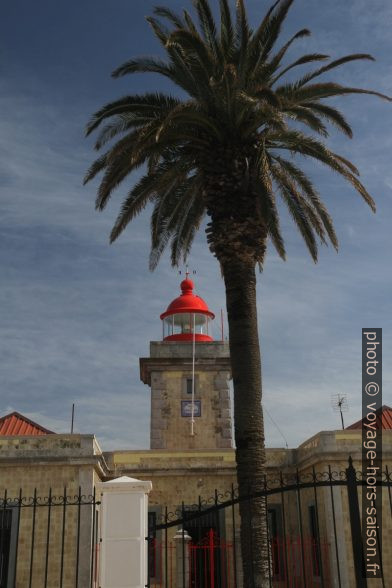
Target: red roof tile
17, 424
383, 419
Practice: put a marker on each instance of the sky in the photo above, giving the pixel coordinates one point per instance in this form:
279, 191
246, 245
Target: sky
77, 313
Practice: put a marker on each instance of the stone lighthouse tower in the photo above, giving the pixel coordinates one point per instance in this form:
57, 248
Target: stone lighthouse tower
188, 373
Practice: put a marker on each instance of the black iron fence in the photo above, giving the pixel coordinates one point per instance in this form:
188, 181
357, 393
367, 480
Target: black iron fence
48, 542
313, 524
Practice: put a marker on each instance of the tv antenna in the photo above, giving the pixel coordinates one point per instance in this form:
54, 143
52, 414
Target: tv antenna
340, 404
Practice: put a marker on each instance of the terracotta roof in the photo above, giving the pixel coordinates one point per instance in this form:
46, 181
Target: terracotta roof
383, 419
17, 424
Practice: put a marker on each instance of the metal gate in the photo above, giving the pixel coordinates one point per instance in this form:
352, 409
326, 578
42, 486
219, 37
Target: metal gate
313, 531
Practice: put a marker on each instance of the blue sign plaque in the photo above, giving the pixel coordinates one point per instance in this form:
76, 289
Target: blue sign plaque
186, 408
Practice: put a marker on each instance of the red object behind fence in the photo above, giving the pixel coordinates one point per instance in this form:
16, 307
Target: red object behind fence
211, 563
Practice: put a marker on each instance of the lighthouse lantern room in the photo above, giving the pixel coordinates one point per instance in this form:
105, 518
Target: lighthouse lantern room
188, 317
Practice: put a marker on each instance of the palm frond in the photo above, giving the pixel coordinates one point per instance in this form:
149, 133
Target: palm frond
304, 115
115, 173
304, 183
264, 115
332, 115
166, 179
310, 211
266, 200
298, 143
264, 92
303, 217
226, 31
187, 115
137, 199
167, 206
161, 32
176, 181
273, 26
171, 215
274, 233
191, 42
125, 156
142, 65
308, 58
185, 74
276, 59
262, 30
189, 22
148, 105
170, 15
208, 26
348, 164
119, 125
333, 64
302, 93
97, 166
185, 231
242, 30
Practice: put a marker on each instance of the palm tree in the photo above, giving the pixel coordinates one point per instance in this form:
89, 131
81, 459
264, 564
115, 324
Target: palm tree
226, 149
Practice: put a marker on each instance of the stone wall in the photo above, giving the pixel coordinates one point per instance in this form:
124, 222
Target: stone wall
35, 466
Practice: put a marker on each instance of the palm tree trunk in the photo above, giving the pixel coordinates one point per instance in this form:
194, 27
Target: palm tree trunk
240, 283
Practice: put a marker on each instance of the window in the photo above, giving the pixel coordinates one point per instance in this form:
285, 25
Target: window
186, 385
182, 324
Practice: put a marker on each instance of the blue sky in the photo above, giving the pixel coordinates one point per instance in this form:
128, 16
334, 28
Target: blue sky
76, 313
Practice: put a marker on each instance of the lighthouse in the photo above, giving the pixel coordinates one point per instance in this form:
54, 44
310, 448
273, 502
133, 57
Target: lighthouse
188, 373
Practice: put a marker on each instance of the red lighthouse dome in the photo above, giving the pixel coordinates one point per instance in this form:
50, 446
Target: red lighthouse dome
187, 317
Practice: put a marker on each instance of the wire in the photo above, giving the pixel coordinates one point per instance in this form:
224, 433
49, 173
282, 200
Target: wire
273, 422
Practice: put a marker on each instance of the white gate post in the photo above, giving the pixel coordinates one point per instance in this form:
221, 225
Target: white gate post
123, 531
